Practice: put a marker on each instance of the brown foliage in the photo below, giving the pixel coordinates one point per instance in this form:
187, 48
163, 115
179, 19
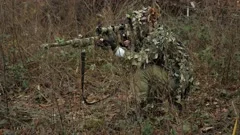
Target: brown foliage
43, 84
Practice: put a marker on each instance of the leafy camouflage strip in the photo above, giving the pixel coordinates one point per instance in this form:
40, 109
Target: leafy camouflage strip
140, 26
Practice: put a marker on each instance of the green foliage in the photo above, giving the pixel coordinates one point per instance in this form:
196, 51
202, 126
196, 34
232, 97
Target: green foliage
93, 123
173, 132
59, 40
237, 56
4, 36
18, 73
147, 128
203, 33
206, 55
214, 45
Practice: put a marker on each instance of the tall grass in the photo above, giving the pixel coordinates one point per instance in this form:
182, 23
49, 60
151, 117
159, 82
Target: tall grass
44, 83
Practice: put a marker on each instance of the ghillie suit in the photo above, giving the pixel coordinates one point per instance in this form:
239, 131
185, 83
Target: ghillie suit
173, 76
143, 42
148, 43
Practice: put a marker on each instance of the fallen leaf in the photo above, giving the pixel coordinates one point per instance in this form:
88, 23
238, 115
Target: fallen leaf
206, 129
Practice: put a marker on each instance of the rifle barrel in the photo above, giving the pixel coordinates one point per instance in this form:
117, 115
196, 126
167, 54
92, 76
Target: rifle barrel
83, 42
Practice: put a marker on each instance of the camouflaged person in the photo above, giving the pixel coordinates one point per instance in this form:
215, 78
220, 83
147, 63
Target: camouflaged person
164, 67
167, 70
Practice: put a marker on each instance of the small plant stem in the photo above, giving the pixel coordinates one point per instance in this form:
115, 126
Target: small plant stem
3, 86
60, 115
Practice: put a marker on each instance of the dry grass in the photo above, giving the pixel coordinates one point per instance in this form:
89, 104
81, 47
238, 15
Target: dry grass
40, 92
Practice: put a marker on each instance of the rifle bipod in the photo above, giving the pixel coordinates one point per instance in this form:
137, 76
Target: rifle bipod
83, 57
